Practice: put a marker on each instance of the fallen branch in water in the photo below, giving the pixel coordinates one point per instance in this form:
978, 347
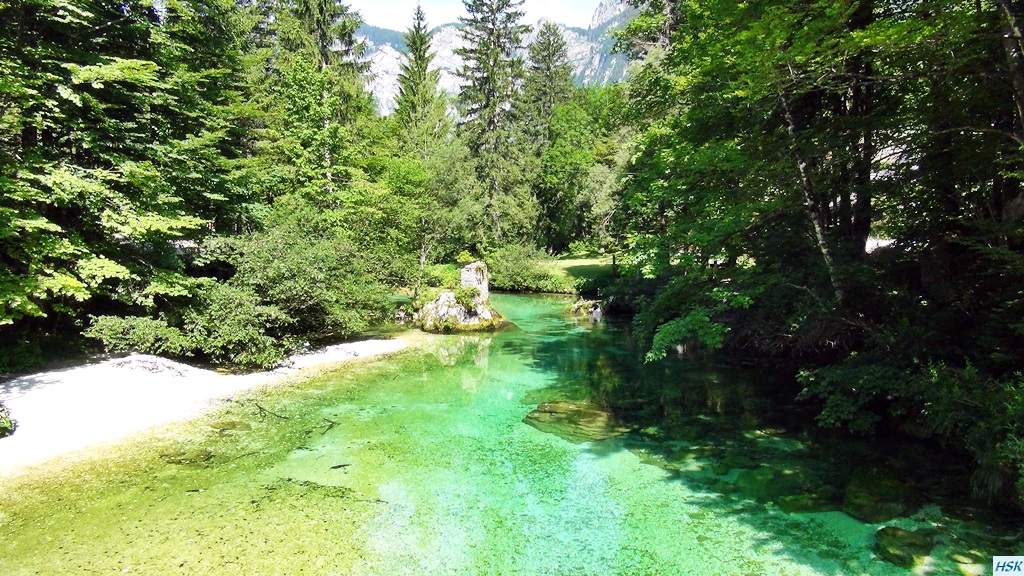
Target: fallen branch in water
264, 412
331, 424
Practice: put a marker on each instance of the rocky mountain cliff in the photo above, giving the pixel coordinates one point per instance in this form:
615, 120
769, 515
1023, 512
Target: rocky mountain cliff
590, 52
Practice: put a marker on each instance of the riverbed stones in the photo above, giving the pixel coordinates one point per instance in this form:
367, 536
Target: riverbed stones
904, 548
230, 426
875, 496
575, 421
188, 456
766, 484
452, 312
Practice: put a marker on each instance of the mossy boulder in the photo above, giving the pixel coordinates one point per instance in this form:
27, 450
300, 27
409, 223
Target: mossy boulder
587, 309
575, 421
465, 309
875, 496
904, 548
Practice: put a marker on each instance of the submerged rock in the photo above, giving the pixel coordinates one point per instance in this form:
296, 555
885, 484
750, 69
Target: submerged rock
875, 496
575, 421
805, 503
466, 309
230, 426
765, 484
904, 548
189, 456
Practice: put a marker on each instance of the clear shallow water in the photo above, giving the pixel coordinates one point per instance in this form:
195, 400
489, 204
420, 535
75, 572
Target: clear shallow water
420, 464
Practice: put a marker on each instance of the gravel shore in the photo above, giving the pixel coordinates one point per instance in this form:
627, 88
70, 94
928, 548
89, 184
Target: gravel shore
62, 411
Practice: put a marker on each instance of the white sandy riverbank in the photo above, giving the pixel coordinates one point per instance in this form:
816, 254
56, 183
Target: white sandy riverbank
63, 411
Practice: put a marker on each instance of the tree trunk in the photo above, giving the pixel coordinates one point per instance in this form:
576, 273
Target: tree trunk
812, 206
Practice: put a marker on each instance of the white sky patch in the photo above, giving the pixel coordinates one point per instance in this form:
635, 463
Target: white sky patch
397, 14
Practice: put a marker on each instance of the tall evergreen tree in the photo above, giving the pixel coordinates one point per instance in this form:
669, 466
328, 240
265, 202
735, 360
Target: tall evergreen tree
326, 27
548, 82
492, 74
491, 70
417, 83
562, 166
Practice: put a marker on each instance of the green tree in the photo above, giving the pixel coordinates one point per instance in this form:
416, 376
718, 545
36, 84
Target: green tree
417, 82
756, 180
101, 110
547, 83
491, 74
563, 176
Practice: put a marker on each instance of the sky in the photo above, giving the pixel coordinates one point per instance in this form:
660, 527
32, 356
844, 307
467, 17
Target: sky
397, 14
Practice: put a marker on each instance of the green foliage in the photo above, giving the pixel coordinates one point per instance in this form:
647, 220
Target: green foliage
443, 275
520, 268
464, 258
492, 73
762, 174
417, 82
139, 334
226, 324
312, 265
230, 326
973, 411
547, 83
7, 424
465, 295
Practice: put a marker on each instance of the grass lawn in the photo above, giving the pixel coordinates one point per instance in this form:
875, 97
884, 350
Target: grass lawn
596, 270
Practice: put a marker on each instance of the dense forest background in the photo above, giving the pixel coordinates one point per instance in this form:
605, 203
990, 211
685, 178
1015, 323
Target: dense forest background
210, 179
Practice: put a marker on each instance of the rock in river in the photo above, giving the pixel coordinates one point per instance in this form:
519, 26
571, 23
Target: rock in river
467, 309
876, 496
903, 548
575, 421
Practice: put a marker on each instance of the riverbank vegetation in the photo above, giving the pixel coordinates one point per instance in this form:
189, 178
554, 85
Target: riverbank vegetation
210, 179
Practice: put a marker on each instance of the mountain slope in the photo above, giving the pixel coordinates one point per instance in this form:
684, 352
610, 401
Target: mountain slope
590, 52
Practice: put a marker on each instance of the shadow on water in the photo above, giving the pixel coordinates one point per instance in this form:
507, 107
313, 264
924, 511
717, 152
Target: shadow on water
737, 437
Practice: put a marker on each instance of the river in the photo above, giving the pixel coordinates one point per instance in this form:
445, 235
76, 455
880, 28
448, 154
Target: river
421, 463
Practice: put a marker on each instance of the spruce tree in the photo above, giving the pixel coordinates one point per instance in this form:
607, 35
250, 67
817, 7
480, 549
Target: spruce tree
492, 74
417, 83
328, 28
548, 82
491, 69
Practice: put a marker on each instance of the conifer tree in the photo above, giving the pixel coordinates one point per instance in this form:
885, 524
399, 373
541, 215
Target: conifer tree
548, 82
492, 75
328, 28
417, 83
491, 69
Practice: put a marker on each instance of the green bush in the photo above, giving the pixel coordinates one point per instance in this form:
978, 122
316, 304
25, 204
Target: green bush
7, 424
465, 257
520, 268
442, 276
314, 269
226, 324
582, 248
230, 326
465, 295
20, 354
139, 334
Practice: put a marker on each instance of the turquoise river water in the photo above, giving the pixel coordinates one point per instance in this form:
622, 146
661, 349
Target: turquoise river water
420, 463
